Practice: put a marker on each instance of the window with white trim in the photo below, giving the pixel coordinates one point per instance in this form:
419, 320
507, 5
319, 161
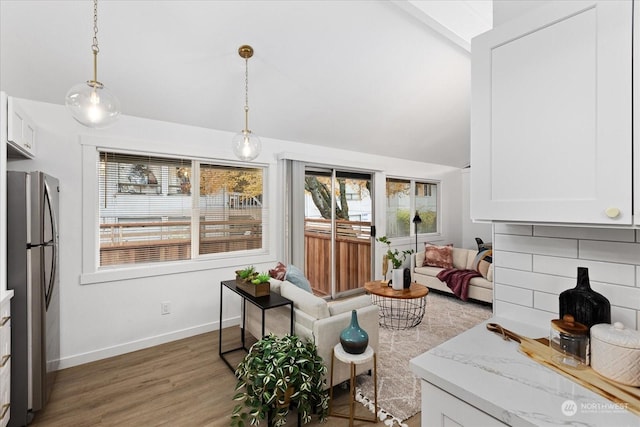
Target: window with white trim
405, 197
150, 210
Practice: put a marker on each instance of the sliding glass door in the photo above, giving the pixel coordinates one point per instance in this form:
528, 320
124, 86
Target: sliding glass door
338, 214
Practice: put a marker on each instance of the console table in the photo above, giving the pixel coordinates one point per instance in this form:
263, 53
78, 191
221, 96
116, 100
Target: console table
264, 303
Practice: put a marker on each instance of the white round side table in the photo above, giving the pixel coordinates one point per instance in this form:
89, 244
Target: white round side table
353, 360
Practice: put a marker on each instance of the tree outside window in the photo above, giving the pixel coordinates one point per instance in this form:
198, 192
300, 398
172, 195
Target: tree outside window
426, 201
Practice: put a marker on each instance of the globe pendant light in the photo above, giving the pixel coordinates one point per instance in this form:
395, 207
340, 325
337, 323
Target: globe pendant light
246, 145
90, 103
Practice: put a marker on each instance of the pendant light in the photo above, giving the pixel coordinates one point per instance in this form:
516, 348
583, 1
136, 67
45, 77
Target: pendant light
91, 103
246, 145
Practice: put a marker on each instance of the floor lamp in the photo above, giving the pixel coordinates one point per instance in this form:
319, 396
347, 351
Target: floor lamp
416, 221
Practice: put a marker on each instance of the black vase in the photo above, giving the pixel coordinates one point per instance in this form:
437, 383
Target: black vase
407, 278
354, 339
584, 304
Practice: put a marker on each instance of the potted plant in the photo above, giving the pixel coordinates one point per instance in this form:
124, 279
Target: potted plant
277, 369
252, 282
397, 259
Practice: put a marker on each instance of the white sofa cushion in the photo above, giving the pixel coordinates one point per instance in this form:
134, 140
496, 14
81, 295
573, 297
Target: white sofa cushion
303, 300
349, 304
481, 282
429, 271
274, 285
461, 258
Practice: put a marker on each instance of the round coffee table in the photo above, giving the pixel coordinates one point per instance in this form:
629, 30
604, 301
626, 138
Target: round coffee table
401, 309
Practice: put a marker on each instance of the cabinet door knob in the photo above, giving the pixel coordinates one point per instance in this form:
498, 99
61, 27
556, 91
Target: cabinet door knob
612, 212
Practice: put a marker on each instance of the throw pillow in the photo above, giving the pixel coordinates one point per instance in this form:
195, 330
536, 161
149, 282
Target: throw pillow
483, 261
279, 271
295, 276
437, 256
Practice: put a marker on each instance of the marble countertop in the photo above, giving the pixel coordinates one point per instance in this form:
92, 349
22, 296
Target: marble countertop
490, 373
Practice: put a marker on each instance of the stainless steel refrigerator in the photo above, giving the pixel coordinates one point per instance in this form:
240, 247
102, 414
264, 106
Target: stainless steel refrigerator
32, 273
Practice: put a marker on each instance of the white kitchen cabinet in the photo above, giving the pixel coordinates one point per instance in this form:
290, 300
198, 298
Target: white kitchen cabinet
21, 131
551, 118
5, 358
440, 409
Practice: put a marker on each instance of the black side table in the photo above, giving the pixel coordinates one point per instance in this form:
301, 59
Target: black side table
264, 303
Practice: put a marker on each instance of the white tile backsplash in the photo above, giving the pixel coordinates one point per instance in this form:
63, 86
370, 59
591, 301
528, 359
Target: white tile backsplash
623, 296
627, 316
536, 281
514, 295
515, 260
622, 274
533, 264
628, 253
539, 318
536, 245
610, 234
525, 230
546, 302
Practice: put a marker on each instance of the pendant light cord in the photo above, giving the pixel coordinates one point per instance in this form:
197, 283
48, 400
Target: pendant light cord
246, 94
94, 47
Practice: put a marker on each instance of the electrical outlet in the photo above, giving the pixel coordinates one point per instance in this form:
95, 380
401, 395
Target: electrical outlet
165, 307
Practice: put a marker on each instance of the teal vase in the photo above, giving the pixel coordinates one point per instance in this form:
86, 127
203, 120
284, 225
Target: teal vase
354, 339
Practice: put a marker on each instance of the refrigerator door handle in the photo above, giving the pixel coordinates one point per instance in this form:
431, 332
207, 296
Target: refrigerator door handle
37, 245
53, 243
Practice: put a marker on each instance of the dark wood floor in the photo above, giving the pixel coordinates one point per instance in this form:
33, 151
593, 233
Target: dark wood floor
182, 383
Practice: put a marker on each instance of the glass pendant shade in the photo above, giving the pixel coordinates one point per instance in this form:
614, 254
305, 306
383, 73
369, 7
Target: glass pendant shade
246, 146
92, 105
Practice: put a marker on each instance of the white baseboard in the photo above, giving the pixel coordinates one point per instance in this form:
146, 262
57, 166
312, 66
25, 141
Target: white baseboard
116, 350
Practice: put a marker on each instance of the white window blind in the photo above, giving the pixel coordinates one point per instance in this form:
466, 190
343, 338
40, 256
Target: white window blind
145, 209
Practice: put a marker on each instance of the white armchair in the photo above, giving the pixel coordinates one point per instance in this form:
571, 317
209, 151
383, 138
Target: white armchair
318, 320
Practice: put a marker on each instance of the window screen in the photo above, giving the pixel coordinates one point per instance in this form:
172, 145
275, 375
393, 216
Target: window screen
145, 209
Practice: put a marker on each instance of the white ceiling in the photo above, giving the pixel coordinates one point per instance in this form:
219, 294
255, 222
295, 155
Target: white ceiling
371, 76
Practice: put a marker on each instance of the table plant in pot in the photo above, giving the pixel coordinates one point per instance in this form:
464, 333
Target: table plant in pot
276, 373
252, 282
397, 259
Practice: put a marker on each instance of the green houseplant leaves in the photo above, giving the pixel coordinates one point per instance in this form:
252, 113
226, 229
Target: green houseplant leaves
396, 257
273, 368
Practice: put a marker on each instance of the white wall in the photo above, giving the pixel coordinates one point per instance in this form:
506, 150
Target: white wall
534, 263
108, 318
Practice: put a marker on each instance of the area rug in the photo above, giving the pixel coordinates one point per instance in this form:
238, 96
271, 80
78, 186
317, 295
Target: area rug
398, 388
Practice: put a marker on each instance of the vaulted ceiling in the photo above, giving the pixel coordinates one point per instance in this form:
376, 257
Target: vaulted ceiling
375, 76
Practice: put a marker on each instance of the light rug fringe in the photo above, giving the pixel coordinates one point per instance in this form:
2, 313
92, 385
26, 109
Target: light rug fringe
398, 388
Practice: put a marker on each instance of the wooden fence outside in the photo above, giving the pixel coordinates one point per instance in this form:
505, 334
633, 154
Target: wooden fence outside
352, 254
127, 243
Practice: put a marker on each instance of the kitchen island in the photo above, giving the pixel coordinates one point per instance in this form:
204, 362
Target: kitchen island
479, 379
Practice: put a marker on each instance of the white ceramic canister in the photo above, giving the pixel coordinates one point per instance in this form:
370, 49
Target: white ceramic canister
615, 353
397, 279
